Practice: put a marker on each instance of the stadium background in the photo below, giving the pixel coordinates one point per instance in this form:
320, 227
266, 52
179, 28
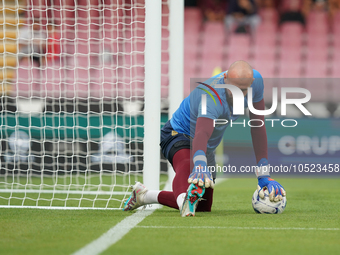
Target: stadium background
88, 74
62, 118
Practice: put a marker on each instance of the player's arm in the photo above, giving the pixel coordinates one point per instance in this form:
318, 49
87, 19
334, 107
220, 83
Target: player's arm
200, 174
260, 145
259, 134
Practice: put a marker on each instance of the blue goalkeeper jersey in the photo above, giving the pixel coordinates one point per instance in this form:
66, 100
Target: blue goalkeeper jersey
185, 118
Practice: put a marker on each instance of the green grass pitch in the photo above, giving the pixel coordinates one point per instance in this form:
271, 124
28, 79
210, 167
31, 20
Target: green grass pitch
309, 225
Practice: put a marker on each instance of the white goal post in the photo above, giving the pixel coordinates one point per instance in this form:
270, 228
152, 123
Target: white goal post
86, 86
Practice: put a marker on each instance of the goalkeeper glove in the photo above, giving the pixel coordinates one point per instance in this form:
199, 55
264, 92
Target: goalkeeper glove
200, 174
275, 189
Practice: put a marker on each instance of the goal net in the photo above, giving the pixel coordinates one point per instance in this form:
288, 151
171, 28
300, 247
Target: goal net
73, 104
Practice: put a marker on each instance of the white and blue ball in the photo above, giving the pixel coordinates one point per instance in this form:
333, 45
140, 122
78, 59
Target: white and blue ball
266, 206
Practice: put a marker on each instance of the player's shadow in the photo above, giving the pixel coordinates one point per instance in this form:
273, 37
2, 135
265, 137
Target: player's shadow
229, 212
216, 213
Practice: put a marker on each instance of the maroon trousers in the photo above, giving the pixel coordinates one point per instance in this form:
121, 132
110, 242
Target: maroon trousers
181, 164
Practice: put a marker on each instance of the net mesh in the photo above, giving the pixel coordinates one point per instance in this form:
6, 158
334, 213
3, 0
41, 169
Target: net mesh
73, 101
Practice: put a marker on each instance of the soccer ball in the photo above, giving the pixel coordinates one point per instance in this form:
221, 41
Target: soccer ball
265, 205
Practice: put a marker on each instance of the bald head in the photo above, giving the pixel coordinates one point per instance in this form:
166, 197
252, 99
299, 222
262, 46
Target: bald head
240, 69
240, 74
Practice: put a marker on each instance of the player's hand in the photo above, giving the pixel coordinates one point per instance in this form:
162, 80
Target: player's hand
275, 189
200, 174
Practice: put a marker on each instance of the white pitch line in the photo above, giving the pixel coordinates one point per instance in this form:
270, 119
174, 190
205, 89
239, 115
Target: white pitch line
114, 234
241, 228
220, 180
119, 231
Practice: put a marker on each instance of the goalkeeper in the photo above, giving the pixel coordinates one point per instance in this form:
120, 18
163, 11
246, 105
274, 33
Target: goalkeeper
189, 139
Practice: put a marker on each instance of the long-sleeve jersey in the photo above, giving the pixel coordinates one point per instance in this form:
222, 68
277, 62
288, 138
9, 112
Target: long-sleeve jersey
185, 118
